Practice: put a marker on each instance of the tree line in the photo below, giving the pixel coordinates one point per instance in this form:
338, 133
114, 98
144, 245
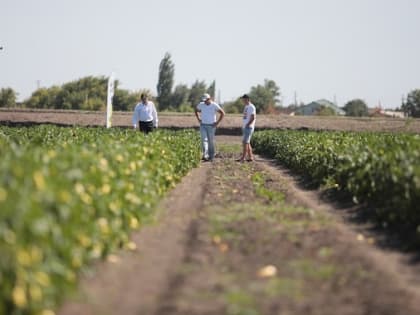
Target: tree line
89, 93
266, 96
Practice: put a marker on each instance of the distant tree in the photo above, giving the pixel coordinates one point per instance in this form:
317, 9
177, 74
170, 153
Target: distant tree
44, 98
412, 106
326, 111
180, 96
265, 96
125, 100
7, 97
165, 82
212, 89
234, 107
88, 93
357, 108
197, 90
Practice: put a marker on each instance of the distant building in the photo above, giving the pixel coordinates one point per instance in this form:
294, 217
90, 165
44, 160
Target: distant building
379, 112
315, 107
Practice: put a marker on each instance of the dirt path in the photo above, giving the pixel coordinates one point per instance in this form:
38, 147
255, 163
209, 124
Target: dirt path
131, 282
244, 239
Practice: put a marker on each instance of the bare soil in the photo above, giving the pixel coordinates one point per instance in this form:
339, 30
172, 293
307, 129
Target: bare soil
245, 239
230, 125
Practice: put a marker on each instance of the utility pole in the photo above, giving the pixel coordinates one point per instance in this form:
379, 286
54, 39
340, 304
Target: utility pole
38, 84
296, 102
335, 100
219, 97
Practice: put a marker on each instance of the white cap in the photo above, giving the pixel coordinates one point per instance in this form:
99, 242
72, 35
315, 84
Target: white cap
205, 97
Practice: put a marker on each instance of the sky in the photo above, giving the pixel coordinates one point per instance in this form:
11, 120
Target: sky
341, 49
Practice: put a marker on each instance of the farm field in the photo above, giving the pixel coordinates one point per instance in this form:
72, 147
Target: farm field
248, 240
230, 125
72, 195
230, 238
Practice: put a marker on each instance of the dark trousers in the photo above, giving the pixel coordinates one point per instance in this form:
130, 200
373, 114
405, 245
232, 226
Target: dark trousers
146, 126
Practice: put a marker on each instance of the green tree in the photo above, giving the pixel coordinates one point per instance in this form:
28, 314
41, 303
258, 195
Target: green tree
180, 96
212, 89
234, 107
165, 82
326, 111
412, 106
44, 98
88, 93
197, 90
356, 108
7, 97
265, 96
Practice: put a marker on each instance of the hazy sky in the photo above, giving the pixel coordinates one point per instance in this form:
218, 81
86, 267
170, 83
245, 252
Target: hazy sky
319, 48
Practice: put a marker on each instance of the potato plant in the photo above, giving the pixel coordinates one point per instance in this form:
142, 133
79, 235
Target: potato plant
72, 195
381, 170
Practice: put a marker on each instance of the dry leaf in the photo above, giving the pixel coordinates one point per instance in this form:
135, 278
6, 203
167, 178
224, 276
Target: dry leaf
360, 237
114, 259
131, 246
267, 271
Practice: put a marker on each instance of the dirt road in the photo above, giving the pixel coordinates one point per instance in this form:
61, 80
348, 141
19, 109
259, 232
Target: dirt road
245, 239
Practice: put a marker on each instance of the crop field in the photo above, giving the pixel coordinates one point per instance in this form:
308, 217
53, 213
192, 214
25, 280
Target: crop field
382, 170
71, 195
109, 221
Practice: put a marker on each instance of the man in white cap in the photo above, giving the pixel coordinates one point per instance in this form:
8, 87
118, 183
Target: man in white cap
206, 113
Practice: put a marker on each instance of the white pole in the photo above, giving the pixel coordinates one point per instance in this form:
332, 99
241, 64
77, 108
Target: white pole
111, 82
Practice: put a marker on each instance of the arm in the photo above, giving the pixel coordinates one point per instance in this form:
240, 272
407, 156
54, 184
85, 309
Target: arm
221, 116
251, 120
135, 119
197, 115
155, 117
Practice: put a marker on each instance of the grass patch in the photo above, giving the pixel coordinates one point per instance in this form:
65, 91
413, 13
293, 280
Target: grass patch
285, 287
308, 268
240, 302
229, 148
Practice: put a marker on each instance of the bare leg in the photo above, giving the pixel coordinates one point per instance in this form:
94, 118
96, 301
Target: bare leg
250, 154
244, 150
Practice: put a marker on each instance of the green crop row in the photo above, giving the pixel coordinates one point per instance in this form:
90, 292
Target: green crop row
72, 195
381, 170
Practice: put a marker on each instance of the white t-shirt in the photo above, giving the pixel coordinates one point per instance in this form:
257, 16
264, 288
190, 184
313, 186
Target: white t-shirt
208, 112
248, 111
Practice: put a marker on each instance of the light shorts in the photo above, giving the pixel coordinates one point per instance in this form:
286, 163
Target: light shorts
247, 134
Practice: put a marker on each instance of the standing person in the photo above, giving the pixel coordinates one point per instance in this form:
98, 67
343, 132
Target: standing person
250, 116
206, 113
145, 115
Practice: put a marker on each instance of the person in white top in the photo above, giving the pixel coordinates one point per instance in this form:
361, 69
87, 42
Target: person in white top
206, 113
145, 115
248, 126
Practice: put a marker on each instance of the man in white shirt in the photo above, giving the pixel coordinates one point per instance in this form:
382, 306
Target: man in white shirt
145, 115
206, 113
248, 126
